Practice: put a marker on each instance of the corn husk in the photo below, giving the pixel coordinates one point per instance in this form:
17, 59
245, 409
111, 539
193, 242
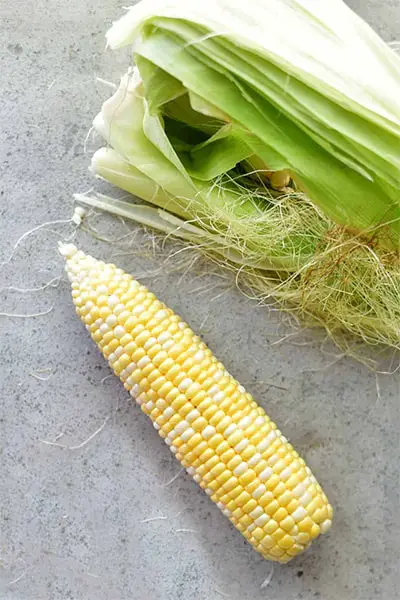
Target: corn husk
269, 133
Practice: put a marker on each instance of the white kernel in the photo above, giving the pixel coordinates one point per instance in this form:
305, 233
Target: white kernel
185, 384
299, 514
226, 512
283, 439
168, 412
326, 525
258, 492
244, 423
240, 469
254, 459
143, 362
219, 397
129, 381
131, 367
241, 389
182, 325
257, 512
113, 300
123, 375
208, 432
259, 421
230, 429
98, 322
118, 351
218, 375
305, 499
180, 427
150, 342
161, 314
102, 289
149, 405
111, 321
299, 490
119, 331
135, 390
164, 336
168, 345
285, 474
119, 309
266, 474
172, 435
262, 520
197, 478
138, 309
241, 445
193, 415
89, 305
173, 449
209, 492
265, 443
142, 398
273, 460
156, 426
191, 471
214, 389
187, 434
199, 356
167, 441
104, 329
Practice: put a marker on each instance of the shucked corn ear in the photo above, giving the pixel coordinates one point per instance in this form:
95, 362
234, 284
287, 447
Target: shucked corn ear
214, 428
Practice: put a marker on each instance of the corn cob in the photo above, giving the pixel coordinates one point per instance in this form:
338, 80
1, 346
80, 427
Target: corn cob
216, 430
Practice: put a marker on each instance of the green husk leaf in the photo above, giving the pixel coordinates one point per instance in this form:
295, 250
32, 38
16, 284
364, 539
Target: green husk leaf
224, 96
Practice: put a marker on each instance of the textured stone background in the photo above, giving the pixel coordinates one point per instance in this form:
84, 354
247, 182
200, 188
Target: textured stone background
71, 522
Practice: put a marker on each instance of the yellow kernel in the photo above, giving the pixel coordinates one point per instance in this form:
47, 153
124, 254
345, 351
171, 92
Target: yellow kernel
179, 402
258, 533
280, 514
206, 455
199, 424
245, 520
224, 476
272, 482
292, 506
250, 505
279, 489
247, 477
303, 538
215, 440
243, 498
287, 523
200, 446
235, 438
199, 398
286, 542
295, 550
272, 507
267, 541
315, 531
266, 499
305, 525
236, 491
271, 526
231, 484
278, 534
210, 413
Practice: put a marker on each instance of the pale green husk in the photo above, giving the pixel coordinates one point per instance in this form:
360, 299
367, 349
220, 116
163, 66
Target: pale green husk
224, 94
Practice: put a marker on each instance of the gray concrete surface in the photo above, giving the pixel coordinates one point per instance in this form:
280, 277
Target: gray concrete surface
71, 521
